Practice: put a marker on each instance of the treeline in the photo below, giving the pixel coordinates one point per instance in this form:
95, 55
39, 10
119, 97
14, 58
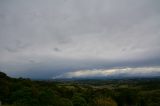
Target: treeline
25, 92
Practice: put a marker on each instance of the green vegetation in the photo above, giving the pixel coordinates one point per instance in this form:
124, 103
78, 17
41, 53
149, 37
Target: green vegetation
126, 92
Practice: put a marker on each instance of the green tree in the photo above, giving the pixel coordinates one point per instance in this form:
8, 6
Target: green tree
78, 101
4, 90
47, 97
65, 102
103, 101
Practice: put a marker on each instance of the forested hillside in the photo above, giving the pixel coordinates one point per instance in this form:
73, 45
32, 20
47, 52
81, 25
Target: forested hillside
26, 92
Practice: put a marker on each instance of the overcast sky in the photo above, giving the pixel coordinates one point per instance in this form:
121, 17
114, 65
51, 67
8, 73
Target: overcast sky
54, 38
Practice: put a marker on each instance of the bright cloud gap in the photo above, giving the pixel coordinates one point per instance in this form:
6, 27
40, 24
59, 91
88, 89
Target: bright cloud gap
115, 72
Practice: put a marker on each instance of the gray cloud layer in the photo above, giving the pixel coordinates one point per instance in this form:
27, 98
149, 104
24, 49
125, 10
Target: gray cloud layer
46, 38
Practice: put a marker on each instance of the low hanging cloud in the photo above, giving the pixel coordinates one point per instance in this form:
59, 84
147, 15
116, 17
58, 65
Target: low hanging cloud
61, 36
116, 73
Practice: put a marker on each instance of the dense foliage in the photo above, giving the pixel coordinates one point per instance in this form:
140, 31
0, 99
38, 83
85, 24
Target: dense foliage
126, 92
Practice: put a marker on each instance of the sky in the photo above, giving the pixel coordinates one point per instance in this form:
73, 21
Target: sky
79, 38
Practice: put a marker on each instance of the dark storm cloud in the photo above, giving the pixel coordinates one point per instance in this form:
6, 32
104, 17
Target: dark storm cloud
57, 36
